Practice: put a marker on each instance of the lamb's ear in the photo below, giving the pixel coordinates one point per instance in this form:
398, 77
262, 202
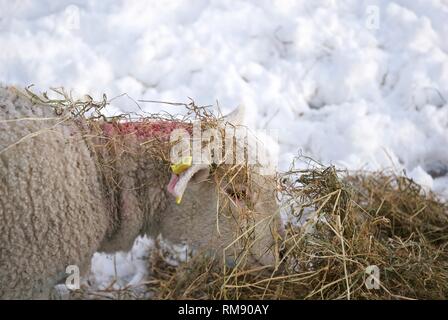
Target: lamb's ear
236, 117
196, 173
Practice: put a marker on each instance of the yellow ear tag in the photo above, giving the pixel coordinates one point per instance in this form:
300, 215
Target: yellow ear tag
182, 165
178, 200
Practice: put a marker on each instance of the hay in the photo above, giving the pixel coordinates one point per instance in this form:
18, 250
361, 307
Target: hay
356, 220
353, 221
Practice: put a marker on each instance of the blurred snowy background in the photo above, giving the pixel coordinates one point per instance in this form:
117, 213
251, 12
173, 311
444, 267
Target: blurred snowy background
360, 84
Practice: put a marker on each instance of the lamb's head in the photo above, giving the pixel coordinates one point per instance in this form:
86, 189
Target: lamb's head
228, 208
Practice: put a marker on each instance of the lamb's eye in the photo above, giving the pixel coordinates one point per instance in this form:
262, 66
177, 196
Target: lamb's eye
237, 194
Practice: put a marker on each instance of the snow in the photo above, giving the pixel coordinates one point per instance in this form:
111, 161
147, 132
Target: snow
360, 84
122, 268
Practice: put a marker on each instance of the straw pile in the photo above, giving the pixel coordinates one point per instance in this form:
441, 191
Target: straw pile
355, 220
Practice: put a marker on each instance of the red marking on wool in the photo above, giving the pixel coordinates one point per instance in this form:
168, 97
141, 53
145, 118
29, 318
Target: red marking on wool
145, 129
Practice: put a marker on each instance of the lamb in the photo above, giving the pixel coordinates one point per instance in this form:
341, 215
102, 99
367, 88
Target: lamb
57, 208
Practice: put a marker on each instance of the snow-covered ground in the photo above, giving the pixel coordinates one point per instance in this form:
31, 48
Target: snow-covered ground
360, 84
